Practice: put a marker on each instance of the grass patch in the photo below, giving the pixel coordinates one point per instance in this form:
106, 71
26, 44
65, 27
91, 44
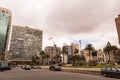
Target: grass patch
87, 66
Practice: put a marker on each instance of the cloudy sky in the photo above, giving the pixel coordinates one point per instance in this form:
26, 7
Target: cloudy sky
66, 21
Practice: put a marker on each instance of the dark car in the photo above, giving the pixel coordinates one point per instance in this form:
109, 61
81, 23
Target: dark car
110, 71
55, 67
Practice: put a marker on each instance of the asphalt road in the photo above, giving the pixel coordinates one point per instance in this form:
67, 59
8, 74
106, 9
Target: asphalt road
42, 74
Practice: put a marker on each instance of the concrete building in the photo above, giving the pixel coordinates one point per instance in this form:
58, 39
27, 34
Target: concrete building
101, 56
94, 56
25, 43
5, 27
117, 21
75, 49
88, 57
52, 51
68, 55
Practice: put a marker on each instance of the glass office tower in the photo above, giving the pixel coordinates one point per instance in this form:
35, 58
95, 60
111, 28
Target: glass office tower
5, 25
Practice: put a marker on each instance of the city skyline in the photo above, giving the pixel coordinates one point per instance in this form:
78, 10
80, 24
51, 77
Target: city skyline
68, 21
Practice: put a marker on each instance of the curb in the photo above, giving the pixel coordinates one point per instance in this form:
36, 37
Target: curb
82, 71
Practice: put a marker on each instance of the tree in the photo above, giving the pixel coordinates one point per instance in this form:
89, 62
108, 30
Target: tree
110, 48
117, 56
90, 48
75, 58
47, 57
57, 58
35, 59
42, 53
82, 58
64, 52
114, 48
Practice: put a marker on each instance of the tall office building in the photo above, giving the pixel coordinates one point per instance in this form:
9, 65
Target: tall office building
5, 26
25, 43
117, 21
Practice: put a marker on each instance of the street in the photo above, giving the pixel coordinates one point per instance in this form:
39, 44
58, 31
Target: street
43, 74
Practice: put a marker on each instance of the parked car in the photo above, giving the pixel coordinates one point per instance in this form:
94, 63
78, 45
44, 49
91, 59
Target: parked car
23, 66
55, 67
27, 67
36, 67
110, 71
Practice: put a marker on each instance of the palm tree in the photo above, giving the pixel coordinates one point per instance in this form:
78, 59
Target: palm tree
58, 58
47, 57
64, 52
75, 58
107, 49
90, 48
35, 59
42, 53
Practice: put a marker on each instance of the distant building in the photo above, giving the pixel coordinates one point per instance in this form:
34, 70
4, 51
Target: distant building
68, 55
109, 57
25, 43
101, 56
75, 49
52, 51
88, 57
94, 56
117, 21
5, 27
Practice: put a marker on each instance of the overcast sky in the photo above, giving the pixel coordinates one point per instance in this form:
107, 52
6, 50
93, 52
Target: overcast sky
91, 21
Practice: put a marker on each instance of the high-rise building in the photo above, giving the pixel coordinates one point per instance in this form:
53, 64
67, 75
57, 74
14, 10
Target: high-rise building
25, 43
117, 21
5, 26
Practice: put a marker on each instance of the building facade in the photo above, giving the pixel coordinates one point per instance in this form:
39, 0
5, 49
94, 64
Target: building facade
52, 51
25, 43
5, 27
101, 56
67, 57
88, 56
75, 49
117, 21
